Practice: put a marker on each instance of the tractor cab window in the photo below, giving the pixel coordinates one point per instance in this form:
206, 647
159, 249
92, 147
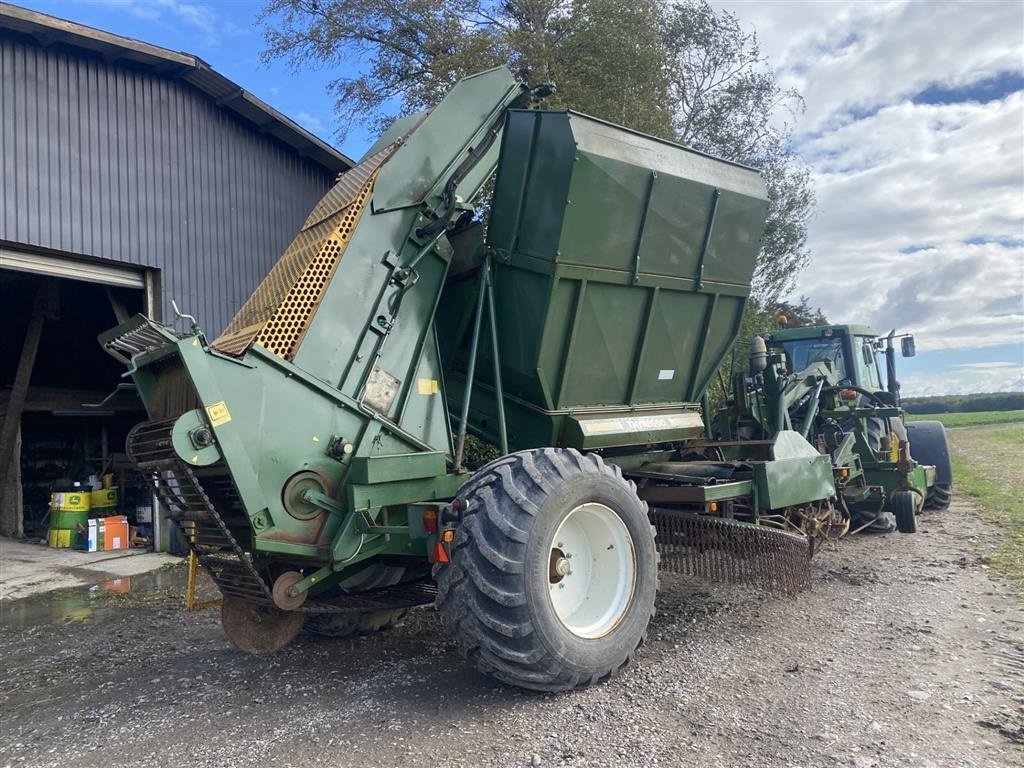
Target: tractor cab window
866, 364
827, 349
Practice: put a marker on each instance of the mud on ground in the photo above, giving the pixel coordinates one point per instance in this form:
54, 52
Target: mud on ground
908, 651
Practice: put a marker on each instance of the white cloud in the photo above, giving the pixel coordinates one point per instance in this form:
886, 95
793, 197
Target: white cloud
996, 366
962, 382
310, 122
920, 220
201, 17
859, 55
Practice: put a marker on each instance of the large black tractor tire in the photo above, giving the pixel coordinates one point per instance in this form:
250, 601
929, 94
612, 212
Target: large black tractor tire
498, 595
928, 445
939, 497
904, 507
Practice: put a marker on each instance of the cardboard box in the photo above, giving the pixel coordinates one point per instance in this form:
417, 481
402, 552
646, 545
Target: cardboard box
115, 533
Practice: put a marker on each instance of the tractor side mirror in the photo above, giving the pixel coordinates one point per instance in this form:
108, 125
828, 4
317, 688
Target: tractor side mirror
867, 353
907, 346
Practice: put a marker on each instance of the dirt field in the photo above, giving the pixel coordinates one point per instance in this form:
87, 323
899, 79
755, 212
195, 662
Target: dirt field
909, 651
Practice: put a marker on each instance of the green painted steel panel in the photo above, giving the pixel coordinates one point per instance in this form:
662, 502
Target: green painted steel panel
387, 469
600, 369
591, 432
788, 482
420, 168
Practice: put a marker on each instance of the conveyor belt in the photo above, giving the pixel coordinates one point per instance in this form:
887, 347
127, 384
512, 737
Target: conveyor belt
184, 500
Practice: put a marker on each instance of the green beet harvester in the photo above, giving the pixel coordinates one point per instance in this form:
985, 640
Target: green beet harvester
314, 451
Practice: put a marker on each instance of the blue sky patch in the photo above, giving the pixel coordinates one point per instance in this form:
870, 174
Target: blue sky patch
989, 89
1006, 242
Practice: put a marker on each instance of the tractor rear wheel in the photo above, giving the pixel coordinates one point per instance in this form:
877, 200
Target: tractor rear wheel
553, 571
904, 507
928, 445
939, 496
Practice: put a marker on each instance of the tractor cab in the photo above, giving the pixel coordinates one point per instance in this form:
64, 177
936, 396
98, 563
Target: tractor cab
856, 353
864, 361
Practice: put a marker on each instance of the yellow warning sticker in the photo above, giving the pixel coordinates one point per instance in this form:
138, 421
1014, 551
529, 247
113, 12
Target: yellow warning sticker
427, 386
218, 413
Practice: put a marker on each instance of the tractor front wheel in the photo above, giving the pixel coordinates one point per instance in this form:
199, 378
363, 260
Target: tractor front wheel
904, 507
553, 571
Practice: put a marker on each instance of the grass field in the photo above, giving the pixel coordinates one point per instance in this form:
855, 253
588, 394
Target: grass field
970, 419
988, 468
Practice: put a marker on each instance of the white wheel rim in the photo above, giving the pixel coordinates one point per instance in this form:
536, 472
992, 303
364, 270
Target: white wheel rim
591, 571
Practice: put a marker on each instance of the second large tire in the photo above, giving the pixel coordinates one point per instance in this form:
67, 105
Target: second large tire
928, 445
503, 597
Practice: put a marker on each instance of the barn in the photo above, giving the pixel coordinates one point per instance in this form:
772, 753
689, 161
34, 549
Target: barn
131, 176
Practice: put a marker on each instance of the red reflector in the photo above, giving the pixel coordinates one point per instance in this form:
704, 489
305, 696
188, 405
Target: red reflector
430, 521
848, 394
440, 554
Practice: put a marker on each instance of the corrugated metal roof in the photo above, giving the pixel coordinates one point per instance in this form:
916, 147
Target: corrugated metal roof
49, 30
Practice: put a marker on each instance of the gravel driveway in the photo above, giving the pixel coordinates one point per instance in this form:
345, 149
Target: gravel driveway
908, 651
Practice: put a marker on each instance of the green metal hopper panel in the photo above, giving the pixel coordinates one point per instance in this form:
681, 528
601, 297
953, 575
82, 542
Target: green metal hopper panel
622, 262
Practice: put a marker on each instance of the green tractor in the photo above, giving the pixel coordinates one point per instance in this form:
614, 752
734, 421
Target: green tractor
314, 452
828, 379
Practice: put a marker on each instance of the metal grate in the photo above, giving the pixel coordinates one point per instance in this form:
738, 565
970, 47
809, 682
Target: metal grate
303, 271
145, 336
285, 329
387, 598
718, 549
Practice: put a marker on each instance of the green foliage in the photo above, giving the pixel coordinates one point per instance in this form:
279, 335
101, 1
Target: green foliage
478, 452
971, 419
727, 102
991, 401
760, 317
677, 69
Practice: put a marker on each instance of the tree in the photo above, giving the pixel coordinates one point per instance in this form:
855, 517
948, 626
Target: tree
726, 102
798, 313
677, 69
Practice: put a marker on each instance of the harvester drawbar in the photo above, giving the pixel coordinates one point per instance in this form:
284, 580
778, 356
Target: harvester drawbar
314, 452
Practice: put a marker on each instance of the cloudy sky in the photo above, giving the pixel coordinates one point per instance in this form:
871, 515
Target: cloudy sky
914, 132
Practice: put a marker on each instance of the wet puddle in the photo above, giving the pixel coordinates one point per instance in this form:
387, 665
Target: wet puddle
76, 604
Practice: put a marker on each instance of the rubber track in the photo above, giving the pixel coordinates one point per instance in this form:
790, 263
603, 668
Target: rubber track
479, 600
